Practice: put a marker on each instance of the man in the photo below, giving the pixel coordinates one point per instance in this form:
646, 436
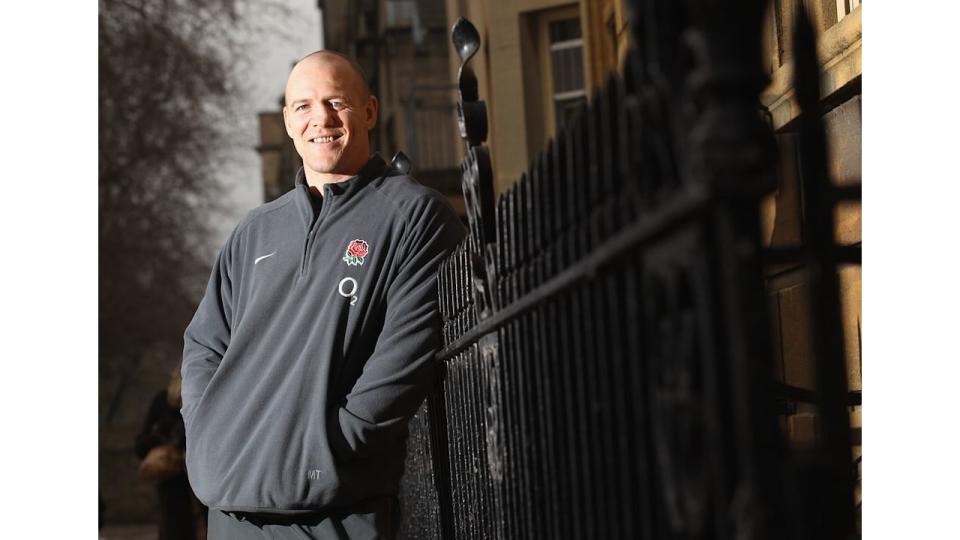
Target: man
313, 344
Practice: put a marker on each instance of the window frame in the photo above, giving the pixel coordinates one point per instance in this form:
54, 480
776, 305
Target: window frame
842, 10
546, 64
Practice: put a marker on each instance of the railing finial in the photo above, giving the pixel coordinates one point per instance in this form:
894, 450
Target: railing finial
478, 190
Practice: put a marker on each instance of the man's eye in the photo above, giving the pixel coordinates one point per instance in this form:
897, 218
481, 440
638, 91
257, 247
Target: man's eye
338, 105
301, 107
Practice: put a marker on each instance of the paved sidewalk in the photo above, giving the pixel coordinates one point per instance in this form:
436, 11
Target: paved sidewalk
129, 532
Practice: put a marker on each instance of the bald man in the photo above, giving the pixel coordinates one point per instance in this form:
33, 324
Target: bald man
328, 113
313, 344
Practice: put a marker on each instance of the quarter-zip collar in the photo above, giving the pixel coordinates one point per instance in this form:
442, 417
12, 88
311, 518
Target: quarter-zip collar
333, 193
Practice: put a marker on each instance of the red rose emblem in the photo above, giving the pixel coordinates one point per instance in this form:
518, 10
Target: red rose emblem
358, 248
355, 253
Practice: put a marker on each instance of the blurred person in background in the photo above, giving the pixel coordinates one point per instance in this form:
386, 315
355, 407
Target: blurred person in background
161, 445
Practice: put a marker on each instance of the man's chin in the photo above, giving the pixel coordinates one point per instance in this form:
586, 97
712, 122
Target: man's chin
332, 169
340, 165
324, 167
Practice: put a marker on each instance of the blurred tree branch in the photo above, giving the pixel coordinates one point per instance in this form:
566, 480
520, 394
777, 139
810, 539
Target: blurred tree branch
169, 80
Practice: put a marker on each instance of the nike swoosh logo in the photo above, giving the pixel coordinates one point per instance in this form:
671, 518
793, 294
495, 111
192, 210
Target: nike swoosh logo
262, 257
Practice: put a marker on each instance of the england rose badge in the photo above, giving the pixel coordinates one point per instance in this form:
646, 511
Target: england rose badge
355, 253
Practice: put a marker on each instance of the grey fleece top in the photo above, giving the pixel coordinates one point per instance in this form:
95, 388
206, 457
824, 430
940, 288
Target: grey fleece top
313, 345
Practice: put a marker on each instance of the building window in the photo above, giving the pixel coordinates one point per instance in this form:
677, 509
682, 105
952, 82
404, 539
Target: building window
555, 82
844, 7
566, 68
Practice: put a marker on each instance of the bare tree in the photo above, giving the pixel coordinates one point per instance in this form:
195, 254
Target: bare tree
169, 81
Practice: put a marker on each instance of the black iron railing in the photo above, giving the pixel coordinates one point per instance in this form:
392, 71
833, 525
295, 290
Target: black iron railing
606, 370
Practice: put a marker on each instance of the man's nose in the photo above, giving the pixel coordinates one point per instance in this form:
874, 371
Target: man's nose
325, 117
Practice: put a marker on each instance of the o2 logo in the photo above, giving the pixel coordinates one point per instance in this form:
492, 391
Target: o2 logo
348, 289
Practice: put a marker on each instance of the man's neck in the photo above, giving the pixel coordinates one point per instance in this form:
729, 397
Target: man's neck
316, 181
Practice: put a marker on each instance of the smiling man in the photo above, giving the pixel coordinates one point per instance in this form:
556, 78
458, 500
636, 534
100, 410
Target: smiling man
328, 113
313, 344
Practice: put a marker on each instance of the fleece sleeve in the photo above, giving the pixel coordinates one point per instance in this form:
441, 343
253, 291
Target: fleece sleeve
396, 377
208, 335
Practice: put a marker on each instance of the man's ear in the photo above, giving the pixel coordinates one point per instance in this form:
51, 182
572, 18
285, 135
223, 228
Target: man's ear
371, 112
286, 122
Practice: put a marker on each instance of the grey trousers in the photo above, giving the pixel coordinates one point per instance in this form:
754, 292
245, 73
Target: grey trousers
377, 519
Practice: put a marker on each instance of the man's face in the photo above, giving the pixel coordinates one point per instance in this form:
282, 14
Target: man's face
328, 114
